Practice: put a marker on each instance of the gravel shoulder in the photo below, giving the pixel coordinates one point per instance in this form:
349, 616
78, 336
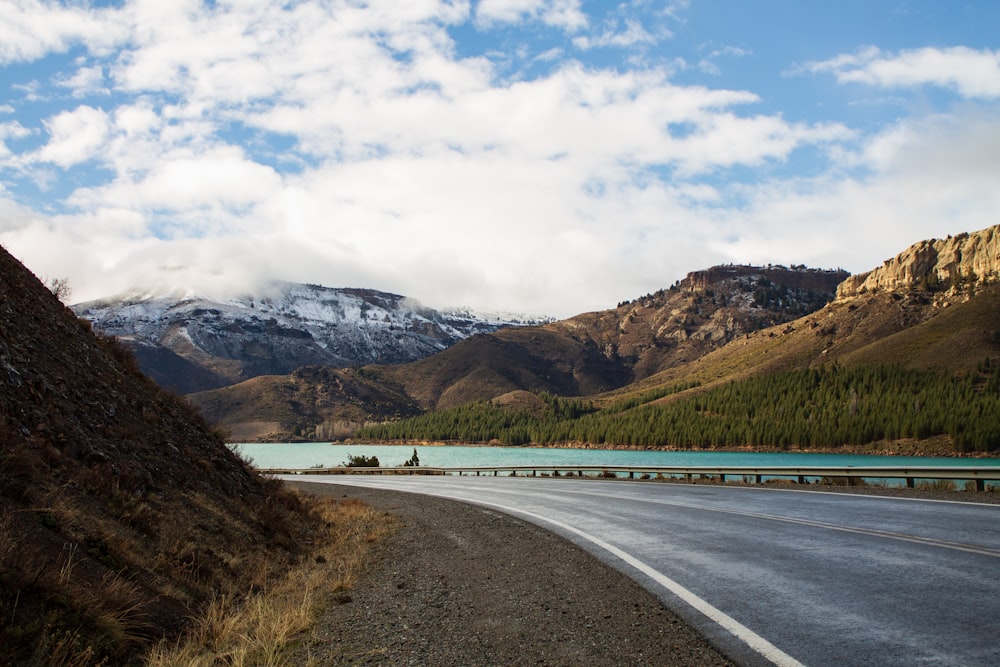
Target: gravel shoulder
464, 585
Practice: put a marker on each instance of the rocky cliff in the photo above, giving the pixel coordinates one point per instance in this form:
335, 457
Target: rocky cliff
968, 259
702, 312
800, 277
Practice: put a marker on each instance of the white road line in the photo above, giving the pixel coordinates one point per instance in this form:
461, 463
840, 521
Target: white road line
730, 624
904, 537
754, 641
871, 532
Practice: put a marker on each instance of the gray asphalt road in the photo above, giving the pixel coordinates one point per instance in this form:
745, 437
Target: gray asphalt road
774, 576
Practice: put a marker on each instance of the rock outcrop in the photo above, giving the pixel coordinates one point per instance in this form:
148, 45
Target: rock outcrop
968, 259
702, 312
800, 277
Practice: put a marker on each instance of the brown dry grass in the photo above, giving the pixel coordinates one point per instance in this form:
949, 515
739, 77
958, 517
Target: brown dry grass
116, 615
263, 626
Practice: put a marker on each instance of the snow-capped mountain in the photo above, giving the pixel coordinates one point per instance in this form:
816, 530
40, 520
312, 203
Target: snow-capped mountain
284, 327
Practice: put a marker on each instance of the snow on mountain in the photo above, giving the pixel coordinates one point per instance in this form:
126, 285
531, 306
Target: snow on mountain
285, 326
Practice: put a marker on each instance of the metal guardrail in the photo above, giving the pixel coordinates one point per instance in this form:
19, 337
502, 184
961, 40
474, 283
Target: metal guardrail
977, 474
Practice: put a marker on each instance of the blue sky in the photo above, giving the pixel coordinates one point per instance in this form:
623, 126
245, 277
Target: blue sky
541, 156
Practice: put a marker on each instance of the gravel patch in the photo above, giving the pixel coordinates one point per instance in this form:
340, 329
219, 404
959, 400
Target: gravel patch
460, 585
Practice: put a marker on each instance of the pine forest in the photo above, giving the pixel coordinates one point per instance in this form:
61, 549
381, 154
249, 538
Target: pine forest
826, 407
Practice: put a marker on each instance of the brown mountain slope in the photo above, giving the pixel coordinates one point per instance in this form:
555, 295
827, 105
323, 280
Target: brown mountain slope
585, 355
532, 358
701, 313
913, 312
314, 402
840, 330
599, 351
120, 512
933, 305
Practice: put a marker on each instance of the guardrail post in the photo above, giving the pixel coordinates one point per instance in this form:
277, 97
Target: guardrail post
802, 479
910, 482
760, 479
981, 485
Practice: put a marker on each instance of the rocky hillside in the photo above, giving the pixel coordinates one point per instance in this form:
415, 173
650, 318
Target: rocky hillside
913, 312
191, 343
909, 365
585, 355
703, 312
967, 259
121, 512
597, 352
312, 403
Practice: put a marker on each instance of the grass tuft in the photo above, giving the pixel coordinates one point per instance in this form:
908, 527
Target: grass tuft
264, 626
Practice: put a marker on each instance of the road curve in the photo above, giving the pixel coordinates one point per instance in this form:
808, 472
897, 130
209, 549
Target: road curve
776, 576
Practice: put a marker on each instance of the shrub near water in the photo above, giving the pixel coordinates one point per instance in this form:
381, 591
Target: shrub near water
360, 461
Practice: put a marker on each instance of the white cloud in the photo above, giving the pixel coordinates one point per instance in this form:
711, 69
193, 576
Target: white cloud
86, 81
675, 8
10, 130
929, 178
631, 34
13, 216
565, 14
708, 64
429, 177
30, 29
424, 172
219, 178
503, 229
971, 73
74, 136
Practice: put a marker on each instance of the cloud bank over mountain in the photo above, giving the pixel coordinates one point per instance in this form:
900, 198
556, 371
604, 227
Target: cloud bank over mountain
547, 156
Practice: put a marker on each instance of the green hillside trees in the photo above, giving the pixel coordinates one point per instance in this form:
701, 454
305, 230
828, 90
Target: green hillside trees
825, 407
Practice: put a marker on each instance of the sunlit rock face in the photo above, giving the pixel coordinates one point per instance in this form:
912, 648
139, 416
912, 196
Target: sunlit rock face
965, 260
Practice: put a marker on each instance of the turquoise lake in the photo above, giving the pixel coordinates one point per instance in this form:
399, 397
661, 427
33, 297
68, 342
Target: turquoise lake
310, 454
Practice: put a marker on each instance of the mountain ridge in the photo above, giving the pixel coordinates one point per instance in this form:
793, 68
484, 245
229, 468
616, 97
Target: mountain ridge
588, 354
715, 326
192, 343
909, 366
